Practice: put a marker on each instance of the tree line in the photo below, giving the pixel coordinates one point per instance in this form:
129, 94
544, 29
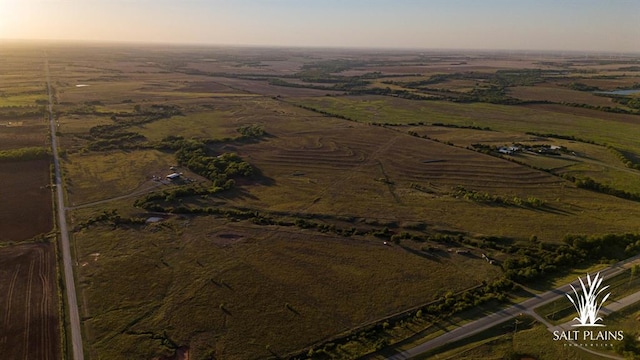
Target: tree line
24, 154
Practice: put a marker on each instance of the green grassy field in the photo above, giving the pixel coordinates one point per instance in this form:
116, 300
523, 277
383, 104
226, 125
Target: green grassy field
614, 129
206, 125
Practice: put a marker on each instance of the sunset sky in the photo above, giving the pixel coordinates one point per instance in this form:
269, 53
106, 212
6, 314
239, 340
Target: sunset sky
591, 25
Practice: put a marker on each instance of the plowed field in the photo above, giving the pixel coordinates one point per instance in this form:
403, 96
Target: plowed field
29, 312
26, 200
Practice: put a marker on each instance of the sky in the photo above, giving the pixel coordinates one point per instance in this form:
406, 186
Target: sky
563, 25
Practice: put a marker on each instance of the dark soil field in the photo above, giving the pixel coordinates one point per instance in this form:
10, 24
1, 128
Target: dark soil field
22, 133
28, 294
26, 198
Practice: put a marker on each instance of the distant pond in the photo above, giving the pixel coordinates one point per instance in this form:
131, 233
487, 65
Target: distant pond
619, 92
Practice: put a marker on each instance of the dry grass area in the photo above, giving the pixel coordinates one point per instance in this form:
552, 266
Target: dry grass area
97, 176
354, 169
237, 287
598, 126
555, 93
608, 83
200, 281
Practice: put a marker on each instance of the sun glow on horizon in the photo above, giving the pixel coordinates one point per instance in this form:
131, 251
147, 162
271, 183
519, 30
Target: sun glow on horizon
15, 16
491, 24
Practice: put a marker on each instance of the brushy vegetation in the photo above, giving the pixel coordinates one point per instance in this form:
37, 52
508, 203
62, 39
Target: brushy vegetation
25, 154
455, 126
590, 184
628, 161
484, 197
117, 135
221, 170
253, 131
582, 87
563, 137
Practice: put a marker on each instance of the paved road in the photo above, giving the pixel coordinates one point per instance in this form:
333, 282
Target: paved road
72, 302
606, 310
494, 319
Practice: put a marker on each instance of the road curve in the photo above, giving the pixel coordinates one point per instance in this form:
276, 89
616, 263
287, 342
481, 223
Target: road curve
511, 312
72, 302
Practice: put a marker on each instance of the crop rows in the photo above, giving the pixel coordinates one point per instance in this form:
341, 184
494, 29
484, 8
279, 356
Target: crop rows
29, 326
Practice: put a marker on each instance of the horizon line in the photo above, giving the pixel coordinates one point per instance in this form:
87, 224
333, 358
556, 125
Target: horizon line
312, 47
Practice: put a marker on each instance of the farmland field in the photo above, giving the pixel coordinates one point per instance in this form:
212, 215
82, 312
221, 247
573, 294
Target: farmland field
27, 208
25, 195
327, 204
30, 322
29, 293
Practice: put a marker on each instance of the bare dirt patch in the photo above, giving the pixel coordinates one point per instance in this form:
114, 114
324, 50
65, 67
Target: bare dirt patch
26, 200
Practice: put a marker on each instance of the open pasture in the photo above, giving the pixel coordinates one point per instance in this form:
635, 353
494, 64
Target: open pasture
602, 127
200, 281
554, 93
19, 133
340, 167
99, 176
605, 83
28, 294
579, 159
229, 287
26, 198
246, 68
466, 137
263, 87
219, 123
221, 118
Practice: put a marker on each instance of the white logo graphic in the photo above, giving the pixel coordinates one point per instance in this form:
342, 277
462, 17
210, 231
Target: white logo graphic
587, 303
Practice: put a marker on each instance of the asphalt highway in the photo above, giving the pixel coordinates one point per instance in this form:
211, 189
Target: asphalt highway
525, 307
